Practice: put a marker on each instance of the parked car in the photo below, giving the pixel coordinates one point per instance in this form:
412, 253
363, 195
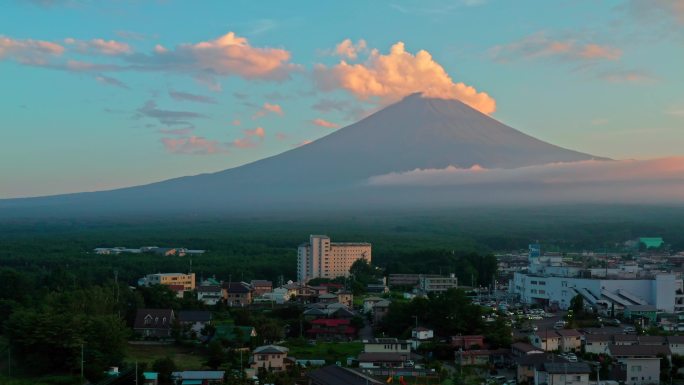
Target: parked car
629, 329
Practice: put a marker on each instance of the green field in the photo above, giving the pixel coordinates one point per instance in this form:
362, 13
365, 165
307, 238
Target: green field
186, 358
328, 351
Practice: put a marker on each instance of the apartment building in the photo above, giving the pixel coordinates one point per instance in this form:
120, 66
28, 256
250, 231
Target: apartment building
321, 258
438, 284
169, 279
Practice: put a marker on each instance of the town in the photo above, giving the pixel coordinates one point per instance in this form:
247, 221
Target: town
545, 318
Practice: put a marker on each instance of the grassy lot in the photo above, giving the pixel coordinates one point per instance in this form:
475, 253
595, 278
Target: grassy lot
328, 351
186, 358
46, 380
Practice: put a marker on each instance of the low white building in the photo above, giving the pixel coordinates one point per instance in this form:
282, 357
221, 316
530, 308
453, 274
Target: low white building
420, 335
604, 294
597, 343
209, 295
563, 373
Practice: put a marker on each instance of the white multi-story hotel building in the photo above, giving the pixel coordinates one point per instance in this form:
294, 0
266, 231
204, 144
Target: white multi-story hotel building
321, 258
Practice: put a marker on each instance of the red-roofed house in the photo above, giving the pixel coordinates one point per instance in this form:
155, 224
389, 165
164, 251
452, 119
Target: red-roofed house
178, 289
468, 342
332, 329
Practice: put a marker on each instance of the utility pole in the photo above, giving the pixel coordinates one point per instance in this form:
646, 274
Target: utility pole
116, 283
136, 372
82, 361
9, 361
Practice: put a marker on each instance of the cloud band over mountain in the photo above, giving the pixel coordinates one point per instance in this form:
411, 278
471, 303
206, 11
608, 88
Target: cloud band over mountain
647, 181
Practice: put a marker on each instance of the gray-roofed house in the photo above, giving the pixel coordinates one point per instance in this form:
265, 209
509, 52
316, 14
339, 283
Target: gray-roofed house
380, 310
570, 340
209, 294
597, 343
528, 365
522, 349
193, 321
566, 373
639, 364
154, 322
625, 339
237, 293
676, 344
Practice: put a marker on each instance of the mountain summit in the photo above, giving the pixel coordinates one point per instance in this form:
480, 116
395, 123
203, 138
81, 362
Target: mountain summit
415, 133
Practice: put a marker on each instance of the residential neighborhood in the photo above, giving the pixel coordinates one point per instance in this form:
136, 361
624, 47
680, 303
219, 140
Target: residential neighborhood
366, 326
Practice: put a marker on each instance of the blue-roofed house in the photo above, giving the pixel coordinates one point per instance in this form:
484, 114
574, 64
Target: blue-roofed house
198, 377
150, 378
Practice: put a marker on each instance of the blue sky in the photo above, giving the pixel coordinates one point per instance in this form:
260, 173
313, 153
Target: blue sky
103, 94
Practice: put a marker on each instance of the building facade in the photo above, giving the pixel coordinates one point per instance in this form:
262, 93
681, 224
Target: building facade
321, 258
438, 284
187, 280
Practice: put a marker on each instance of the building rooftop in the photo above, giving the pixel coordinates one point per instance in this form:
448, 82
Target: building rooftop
335, 375
199, 375
641, 308
271, 349
639, 350
567, 367
194, 316
569, 333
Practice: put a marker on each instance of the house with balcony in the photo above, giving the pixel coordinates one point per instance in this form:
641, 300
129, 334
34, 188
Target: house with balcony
237, 294
332, 329
639, 364
271, 358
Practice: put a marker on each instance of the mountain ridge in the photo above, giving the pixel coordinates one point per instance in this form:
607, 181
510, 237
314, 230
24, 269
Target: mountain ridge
415, 133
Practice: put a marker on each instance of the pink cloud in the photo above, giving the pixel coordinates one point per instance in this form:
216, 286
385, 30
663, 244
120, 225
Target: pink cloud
28, 51
268, 108
540, 45
192, 145
107, 80
235, 122
259, 131
389, 78
595, 51
228, 55
592, 180
627, 76
347, 48
248, 140
324, 123
100, 46
302, 143
281, 136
